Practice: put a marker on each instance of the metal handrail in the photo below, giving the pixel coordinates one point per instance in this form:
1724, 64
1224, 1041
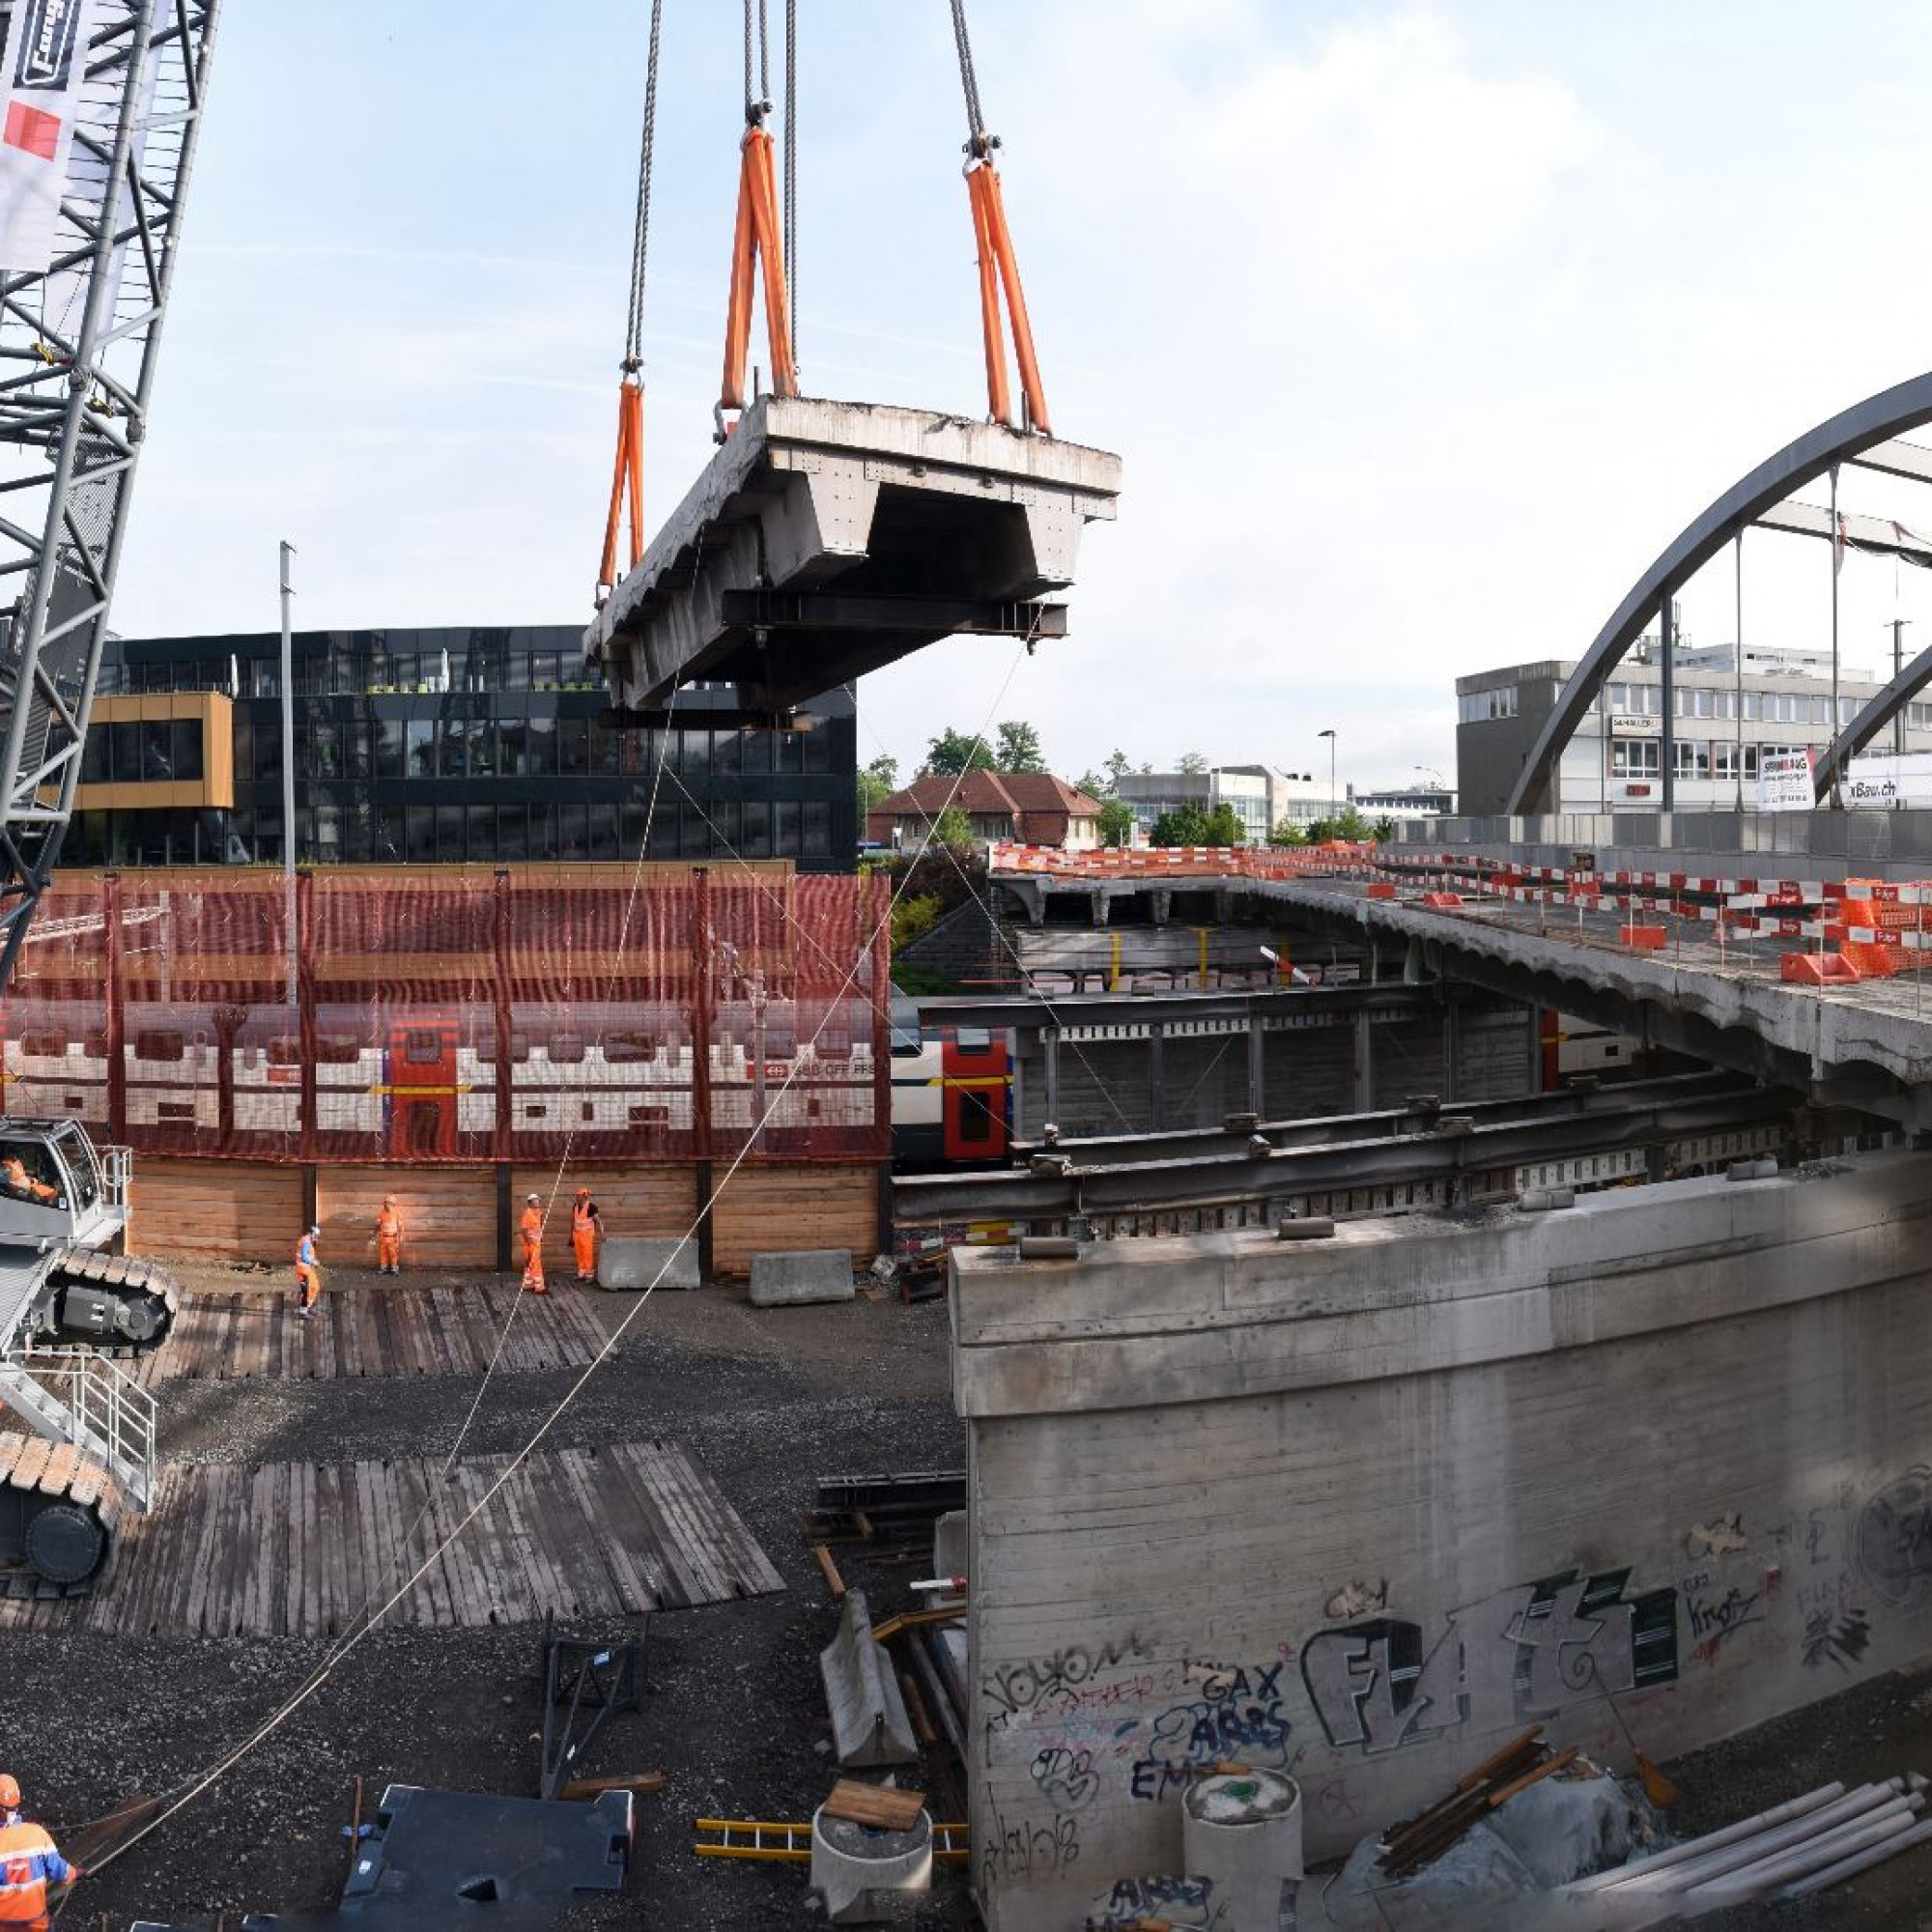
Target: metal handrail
109, 1414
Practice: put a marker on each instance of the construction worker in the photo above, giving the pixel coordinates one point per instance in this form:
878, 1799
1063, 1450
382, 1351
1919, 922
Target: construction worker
586, 1228
308, 1272
14, 1170
28, 1863
533, 1225
389, 1237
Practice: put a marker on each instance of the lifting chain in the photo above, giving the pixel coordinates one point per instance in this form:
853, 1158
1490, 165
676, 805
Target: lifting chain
979, 143
641, 238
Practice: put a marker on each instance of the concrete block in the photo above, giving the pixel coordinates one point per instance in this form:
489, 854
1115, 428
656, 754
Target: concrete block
807, 1274
634, 1262
869, 1725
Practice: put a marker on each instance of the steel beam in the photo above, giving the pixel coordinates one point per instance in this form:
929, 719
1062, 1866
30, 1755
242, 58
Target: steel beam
835, 609
1024, 1013
1208, 1180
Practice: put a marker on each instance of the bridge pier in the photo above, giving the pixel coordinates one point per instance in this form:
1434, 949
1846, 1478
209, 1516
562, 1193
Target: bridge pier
1161, 901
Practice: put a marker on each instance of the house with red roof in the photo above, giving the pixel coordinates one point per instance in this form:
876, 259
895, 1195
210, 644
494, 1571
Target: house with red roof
1027, 808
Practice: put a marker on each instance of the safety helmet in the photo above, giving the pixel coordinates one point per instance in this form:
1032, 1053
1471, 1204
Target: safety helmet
388, 1200
315, 1227
532, 1197
10, 1791
583, 1194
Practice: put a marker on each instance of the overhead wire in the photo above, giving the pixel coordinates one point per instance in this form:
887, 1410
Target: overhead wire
324, 1671
791, 172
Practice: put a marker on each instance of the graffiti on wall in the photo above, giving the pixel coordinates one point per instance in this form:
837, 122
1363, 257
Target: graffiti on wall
1230, 1712
1523, 1654
1893, 1537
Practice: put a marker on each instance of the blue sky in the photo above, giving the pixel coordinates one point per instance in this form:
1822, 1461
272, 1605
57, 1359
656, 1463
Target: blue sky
1421, 329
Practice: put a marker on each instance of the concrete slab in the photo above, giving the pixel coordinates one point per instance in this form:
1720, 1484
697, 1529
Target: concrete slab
636, 1261
826, 539
810, 1275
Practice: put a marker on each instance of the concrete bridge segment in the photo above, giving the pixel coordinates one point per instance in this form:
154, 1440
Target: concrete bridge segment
827, 539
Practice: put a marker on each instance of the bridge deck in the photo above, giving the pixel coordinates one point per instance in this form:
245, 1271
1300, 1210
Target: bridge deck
826, 539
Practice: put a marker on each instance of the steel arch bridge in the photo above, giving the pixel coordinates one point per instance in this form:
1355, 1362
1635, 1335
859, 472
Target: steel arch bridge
1867, 435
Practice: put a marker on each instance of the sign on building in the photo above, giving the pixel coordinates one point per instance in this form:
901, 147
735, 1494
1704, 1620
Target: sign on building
1888, 779
1634, 725
1784, 781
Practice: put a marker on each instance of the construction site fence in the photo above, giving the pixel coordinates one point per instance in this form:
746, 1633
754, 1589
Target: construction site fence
662, 1013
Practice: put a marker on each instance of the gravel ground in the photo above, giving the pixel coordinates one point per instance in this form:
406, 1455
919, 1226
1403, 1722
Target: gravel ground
734, 1713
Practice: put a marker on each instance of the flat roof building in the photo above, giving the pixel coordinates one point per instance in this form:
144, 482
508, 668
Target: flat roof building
423, 746
1727, 715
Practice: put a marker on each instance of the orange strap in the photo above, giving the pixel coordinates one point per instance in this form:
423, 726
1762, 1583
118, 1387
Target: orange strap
629, 470
757, 237
999, 269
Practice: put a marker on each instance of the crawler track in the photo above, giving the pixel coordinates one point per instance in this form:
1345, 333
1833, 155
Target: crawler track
69, 1507
149, 1295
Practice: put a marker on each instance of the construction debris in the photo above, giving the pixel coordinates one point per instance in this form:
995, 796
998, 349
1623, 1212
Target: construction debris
584, 1686
883, 1807
888, 1510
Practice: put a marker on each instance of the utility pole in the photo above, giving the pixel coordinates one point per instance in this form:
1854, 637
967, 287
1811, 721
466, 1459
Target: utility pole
1334, 812
1898, 625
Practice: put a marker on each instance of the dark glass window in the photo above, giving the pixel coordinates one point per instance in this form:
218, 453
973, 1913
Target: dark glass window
512, 739
420, 733
664, 829
94, 760
268, 751
420, 822
513, 838
482, 831
389, 832
607, 747
604, 832
388, 748
791, 749
573, 745
757, 754
756, 842
356, 749
727, 754
818, 750
540, 748
785, 844
543, 829
817, 840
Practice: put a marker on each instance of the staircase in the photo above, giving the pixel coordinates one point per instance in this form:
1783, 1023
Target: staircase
77, 1396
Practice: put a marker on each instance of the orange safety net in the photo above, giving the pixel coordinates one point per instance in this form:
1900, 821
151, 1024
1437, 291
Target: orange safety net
460, 1013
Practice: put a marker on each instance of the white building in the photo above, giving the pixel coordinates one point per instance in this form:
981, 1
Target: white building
1727, 715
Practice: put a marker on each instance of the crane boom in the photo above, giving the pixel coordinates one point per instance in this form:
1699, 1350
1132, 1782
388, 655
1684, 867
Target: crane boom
78, 342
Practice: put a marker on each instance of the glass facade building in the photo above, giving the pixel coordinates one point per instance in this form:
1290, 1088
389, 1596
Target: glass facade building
490, 746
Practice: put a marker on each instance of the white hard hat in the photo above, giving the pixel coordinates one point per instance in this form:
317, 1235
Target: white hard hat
532, 1197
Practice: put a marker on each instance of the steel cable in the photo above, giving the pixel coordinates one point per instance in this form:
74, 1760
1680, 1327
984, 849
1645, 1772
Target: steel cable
641, 238
791, 172
969, 80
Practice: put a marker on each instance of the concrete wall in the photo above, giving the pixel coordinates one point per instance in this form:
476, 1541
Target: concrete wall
1365, 1507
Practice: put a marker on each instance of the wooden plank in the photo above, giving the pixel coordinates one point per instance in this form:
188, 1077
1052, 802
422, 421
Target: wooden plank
216, 1210
411, 1480
657, 1470
30, 1466
881, 1808
796, 1205
634, 1588
518, 1506
58, 1476
468, 1599
449, 1213
720, 1531
573, 1541
642, 1520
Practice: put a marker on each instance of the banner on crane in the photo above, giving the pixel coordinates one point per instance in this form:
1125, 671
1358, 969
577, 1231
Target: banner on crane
45, 63
1784, 781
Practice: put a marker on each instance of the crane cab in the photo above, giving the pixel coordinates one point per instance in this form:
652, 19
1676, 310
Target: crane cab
55, 1188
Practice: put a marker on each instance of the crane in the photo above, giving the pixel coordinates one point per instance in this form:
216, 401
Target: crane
101, 108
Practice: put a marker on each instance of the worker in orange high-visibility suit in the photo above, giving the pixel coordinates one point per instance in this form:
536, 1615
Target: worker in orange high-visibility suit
533, 1225
308, 1272
586, 1226
28, 1863
14, 1171
389, 1237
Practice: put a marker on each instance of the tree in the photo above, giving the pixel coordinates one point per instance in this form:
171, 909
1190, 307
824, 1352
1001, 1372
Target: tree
1018, 749
1118, 766
877, 781
1117, 822
954, 752
1225, 828
1192, 764
1383, 830
952, 827
1287, 833
1093, 784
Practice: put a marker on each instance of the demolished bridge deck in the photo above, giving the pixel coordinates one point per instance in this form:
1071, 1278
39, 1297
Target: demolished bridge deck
827, 539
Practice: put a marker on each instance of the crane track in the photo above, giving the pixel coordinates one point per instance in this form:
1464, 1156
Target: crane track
130, 1275
71, 1505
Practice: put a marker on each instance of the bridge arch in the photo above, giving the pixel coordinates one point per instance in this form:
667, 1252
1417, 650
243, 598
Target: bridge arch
1854, 432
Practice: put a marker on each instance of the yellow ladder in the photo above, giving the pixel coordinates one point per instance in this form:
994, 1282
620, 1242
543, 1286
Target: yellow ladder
767, 1838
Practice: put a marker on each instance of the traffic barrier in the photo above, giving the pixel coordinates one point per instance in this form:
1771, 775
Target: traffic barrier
1818, 969
646, 1261
1643, 938
811, 1274
869, 1725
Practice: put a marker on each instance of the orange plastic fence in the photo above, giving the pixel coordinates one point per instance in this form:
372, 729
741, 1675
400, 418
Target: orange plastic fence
459, 1013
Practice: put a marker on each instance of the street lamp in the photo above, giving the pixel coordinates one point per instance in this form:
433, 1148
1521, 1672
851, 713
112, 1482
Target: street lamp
1333, 814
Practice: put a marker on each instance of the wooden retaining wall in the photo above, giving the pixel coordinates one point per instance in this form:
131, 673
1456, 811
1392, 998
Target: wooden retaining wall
214, 1210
